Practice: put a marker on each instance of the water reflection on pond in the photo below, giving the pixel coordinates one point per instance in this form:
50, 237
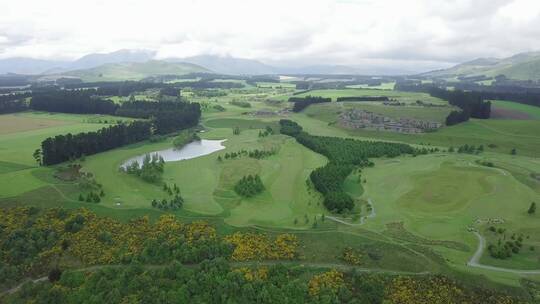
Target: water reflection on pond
194, 149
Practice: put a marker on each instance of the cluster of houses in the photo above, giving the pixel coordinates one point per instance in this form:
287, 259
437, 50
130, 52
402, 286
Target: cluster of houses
360, 119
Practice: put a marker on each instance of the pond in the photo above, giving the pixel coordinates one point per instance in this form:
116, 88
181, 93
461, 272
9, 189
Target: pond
193, 149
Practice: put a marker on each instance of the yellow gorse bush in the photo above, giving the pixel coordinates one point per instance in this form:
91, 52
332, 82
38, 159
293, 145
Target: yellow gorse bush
253, 246
331, 280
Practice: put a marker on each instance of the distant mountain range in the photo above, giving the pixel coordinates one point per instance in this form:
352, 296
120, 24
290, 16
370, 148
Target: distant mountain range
208, 63
228, 65
523, 66
137, 64
32, 66
134, 70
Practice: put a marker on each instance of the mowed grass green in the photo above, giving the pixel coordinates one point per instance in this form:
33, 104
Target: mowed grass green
286, 197
437, 196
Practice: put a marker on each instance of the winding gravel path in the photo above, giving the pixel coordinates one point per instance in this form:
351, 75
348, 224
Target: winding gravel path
475, 259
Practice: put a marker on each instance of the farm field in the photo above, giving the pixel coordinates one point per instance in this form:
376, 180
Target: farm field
514, 109
422, 206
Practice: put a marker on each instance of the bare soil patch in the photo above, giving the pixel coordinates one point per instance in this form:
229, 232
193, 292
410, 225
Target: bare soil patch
500, 113
13, 123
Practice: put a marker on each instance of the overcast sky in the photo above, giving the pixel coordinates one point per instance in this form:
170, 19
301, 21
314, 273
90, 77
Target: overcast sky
413, 32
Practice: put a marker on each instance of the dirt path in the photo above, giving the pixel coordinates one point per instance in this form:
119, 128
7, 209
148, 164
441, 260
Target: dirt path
503, 172
371, 214
475, 259
342, 267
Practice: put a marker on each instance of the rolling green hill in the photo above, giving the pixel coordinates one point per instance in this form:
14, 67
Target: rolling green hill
135, 70
524, 66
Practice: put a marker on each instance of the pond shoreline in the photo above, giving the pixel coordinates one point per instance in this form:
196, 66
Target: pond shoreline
191, 150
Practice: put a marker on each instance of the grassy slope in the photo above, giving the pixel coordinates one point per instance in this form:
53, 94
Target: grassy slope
524, 66
532, 111
135, 71
438, 196
521, 71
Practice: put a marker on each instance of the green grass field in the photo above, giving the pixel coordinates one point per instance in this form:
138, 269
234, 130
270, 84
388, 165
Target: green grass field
531, 111
382, 86
422, 205
16, 147
503, 134
407, 97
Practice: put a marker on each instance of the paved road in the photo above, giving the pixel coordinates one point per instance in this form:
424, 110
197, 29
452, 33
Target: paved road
475, 259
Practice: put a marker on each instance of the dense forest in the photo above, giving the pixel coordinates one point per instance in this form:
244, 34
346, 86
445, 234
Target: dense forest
58, 149
116, 88
167, 116
472, 104
76, 101
11, 103
301, 103
344, 155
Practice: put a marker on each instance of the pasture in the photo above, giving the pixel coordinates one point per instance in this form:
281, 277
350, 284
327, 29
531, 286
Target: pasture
14, 123
514, 110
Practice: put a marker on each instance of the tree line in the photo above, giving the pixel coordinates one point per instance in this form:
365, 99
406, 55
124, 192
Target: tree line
116, 88
166, 116
301, 103
363, 98
344, 155
61, 148
471, 104
71, 101
14, 102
